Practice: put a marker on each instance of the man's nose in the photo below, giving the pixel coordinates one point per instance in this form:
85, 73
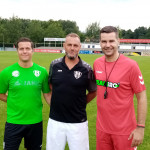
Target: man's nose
24, 50
72, 47
107, 44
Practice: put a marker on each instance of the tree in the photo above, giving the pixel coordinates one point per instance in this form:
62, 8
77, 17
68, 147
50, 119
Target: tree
35, 31
2, 34
13, 29
82, 36
54, 29
120, 32
69, 26
140, 33
25, 27
127, 34
147, 36
92, 32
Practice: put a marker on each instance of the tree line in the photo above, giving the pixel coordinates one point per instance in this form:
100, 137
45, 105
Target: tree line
13, 28
92, 33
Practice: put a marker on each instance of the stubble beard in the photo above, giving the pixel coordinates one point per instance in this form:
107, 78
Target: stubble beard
71, 57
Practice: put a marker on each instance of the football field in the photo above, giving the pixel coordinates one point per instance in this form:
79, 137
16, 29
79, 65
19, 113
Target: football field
44, 59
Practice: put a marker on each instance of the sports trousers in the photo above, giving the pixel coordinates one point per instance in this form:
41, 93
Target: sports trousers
58, 133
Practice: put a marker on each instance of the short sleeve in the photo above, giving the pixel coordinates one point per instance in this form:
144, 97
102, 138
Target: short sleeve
92, 82
45, 88
4, 82
50, 74
136, 79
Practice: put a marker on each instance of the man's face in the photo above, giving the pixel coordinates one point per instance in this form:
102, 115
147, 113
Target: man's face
109, 44
72, 47
25, 51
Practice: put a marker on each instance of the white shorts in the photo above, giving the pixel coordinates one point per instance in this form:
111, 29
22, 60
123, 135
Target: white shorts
58, 133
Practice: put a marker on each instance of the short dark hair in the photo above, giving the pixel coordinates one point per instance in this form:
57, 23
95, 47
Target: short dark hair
24, 39
109, 29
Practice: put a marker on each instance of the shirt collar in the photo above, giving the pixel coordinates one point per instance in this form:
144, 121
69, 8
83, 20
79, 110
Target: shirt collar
79, 63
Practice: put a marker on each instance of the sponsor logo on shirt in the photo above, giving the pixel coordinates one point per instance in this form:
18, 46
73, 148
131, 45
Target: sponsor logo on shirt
26, 83
77, 74
59, 71
15, 73
141, 80
37, 73
140, 77
99, 71
108, 84
17, 83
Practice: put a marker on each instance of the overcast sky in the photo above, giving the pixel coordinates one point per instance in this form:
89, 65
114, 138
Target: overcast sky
127, 14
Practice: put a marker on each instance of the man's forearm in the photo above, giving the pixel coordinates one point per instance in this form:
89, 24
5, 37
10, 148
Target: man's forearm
141, 107
3, 97
90, 96
47, 97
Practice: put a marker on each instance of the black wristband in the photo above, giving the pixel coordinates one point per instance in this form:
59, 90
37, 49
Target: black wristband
140, 126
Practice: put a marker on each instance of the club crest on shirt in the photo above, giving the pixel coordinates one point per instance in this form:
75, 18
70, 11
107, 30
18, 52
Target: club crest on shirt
77, 74
37, 73
15, 73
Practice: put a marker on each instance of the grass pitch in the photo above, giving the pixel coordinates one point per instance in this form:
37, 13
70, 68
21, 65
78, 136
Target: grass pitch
44, 59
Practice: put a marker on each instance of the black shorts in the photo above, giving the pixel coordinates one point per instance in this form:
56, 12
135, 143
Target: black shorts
32, 135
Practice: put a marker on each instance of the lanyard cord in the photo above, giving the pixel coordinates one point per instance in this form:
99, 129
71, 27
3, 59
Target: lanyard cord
106, 82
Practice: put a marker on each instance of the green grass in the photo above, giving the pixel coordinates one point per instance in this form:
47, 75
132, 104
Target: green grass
44, 59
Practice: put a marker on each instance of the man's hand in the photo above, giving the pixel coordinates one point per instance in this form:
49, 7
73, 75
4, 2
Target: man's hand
137, 136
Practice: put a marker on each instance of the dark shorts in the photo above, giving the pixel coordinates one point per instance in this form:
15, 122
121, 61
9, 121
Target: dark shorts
32, 135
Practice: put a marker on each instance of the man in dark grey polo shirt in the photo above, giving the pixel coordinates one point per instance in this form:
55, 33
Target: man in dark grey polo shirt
69, 78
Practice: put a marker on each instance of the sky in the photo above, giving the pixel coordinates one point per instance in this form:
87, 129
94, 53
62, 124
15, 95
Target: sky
127, 14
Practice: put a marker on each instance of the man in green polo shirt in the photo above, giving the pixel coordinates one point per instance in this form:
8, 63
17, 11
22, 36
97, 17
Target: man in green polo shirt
24, 82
